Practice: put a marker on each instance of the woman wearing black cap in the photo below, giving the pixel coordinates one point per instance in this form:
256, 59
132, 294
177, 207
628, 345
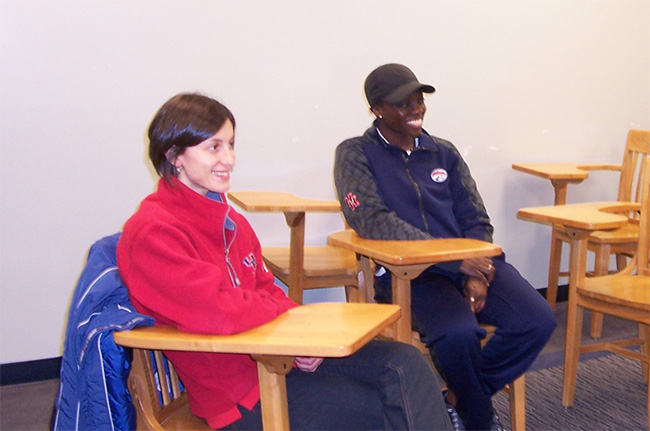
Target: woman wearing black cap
397, 182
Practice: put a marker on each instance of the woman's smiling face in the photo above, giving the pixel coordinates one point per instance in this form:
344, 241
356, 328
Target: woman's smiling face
207, 165
406, 118
401, 123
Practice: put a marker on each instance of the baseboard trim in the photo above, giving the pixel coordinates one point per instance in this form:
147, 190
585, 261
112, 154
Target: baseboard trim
29, 371
562, 293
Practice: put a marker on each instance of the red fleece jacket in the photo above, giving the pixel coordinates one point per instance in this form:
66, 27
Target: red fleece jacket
196, 264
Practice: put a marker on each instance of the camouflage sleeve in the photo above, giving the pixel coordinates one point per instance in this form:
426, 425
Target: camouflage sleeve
361, 203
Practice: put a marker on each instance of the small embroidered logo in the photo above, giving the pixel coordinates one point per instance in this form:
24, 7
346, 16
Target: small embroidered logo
439, 175
352, 201
250, 261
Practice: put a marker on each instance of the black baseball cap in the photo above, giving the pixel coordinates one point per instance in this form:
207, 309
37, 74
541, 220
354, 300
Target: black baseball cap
392, 83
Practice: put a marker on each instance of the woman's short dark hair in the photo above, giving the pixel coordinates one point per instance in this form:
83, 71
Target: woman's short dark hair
183, 121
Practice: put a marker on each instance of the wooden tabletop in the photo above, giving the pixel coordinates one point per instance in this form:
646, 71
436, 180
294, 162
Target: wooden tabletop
587, 216
270, 201
574, 172
414, 252
322, 330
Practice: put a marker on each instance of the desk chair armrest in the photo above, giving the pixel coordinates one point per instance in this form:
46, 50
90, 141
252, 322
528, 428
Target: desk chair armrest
600, 167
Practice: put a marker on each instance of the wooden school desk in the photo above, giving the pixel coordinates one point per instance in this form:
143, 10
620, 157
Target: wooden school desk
321, 330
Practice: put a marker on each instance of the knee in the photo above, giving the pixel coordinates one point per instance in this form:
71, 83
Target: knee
545, 323
538, 326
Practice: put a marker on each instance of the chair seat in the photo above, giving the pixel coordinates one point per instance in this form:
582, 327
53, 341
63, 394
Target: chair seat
628, 290
628, 234
320, 261
182, 419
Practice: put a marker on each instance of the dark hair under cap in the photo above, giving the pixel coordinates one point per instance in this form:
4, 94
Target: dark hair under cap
392, 83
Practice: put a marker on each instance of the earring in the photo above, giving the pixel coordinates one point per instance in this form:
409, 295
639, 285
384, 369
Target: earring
381, 116
179, 169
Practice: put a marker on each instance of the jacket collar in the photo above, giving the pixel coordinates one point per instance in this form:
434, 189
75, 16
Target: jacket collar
425, 140
207, 214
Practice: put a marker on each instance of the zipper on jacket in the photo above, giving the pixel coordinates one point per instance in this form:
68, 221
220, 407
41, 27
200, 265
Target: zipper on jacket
417, 191
234, 279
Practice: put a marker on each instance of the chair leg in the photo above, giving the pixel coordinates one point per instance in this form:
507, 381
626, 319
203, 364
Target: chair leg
554, 269
517, 394
644, 334
365, 280
352, 294
596, 325
571, 353
621, 262
601, 267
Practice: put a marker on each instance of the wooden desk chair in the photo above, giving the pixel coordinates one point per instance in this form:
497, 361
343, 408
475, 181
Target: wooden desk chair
161, 403
620, 242
334, 330
298, 266
625, 294
516, 390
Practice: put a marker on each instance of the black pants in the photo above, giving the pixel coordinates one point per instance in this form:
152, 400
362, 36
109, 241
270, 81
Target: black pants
385, 385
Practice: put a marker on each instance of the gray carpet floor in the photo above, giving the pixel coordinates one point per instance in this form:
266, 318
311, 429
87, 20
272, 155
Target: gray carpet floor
610, 394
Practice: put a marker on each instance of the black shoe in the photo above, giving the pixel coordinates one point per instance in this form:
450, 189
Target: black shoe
456, 421
496, 423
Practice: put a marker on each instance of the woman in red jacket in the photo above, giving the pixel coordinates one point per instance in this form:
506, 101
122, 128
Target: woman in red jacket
192, 262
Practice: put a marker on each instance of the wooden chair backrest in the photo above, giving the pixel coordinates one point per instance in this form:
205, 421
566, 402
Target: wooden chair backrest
161, 403
633, 170
643, 245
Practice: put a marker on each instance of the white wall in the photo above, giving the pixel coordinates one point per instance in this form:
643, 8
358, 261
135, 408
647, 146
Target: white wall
517, 81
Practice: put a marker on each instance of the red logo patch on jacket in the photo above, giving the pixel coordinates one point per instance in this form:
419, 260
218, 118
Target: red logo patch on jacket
250, 261
352, 201
439, 175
